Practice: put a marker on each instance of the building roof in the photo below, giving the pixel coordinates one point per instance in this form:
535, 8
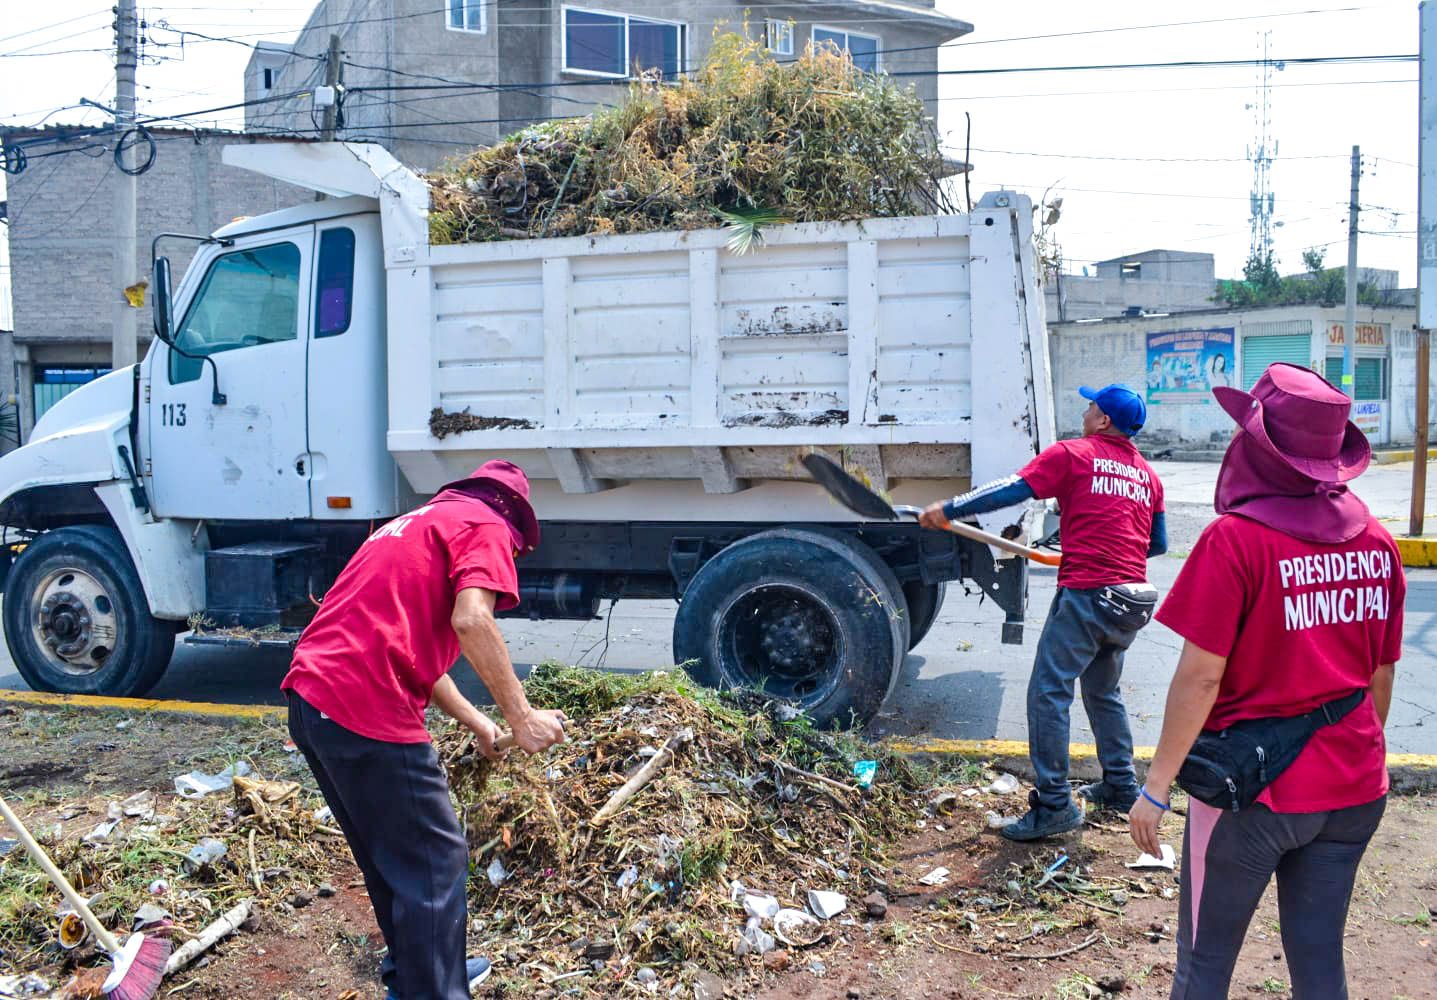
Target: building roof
1151, 254
919, 16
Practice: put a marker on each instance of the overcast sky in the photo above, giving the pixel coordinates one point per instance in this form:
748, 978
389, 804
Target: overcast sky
1117, 145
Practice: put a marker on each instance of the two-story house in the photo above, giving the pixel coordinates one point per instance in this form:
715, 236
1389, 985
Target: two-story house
434, 78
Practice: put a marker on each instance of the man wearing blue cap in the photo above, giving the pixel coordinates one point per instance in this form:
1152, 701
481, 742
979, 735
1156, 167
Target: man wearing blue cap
1112, 522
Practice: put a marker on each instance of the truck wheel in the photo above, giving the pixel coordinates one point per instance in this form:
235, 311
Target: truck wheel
799, 615
925, 600
76, 618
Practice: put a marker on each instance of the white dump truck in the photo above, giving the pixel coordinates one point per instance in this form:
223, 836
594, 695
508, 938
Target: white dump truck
323, 368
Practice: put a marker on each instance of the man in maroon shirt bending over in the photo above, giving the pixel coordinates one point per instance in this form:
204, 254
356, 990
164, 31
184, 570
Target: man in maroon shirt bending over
421, 590
1112, 509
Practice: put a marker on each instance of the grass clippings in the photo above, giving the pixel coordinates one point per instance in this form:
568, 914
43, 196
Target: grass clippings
745, 141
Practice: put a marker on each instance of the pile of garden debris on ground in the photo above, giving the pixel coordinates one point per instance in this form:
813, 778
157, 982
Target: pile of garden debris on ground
661, 839
746, 140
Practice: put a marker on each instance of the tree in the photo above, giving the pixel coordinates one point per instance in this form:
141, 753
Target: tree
1262, 286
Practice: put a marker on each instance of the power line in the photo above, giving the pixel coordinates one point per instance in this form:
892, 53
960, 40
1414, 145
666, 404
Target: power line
57, 24
1153, 159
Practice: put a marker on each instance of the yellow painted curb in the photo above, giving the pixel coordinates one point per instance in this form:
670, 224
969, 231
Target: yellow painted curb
988, 749
1393, 457
1417, 551
142, 705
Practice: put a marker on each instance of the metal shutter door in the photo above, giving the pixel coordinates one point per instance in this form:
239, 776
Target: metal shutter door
1259, 352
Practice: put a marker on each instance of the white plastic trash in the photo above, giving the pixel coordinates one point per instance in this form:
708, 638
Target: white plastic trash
759, 906
826, 905
1146, 860
498, 874
937, 876
1005, 784
197, 784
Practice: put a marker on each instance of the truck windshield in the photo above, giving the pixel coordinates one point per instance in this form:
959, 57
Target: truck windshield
249, 297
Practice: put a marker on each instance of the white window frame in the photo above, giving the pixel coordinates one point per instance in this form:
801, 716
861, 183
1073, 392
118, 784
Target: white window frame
785, 30
626, 18
876, 39
464, 6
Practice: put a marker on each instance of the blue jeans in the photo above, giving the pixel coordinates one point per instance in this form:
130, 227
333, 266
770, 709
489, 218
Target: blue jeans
1079, 644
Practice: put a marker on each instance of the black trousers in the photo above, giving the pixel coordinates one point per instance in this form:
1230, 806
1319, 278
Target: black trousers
392, 802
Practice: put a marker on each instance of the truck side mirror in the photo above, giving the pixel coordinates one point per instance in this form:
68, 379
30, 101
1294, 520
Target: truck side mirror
161, 283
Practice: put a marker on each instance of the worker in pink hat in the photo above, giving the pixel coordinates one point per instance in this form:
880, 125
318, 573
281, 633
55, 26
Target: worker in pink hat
1290, 606
421, 589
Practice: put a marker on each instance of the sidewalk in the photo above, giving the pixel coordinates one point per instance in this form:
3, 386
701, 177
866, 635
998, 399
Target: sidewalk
1386, 487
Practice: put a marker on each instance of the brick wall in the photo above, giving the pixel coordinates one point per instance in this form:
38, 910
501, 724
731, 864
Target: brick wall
60, 235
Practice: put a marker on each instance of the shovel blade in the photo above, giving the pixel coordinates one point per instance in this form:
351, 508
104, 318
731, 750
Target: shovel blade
847, 490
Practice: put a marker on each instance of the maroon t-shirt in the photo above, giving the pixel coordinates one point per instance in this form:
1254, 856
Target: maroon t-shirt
1108, 495
382, 638
1300, 624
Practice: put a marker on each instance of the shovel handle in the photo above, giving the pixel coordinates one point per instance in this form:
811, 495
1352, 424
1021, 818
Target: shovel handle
997, 541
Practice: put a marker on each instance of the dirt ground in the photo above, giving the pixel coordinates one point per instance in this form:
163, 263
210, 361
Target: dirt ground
990, 931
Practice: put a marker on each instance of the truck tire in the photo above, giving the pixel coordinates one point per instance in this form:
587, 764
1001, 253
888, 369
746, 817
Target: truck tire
76, 617
925, 600
800, 615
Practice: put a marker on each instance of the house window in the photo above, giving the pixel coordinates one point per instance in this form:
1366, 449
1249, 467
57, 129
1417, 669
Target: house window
466, 15
778, 35
1130, 269
862, 48
597, 43
268, 79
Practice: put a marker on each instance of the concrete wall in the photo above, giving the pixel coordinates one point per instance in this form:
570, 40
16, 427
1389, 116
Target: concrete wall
1165, 281
1115, 350
390, 43
61, 240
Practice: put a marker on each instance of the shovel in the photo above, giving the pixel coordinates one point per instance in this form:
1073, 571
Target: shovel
866, 503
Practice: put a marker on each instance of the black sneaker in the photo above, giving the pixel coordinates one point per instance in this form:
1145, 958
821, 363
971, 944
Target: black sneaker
1041, 821
1105, 796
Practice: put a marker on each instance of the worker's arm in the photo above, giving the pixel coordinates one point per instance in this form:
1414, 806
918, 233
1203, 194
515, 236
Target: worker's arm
992, 496
483, 646
1158, 541
451, 702
1382, 690
1190, 698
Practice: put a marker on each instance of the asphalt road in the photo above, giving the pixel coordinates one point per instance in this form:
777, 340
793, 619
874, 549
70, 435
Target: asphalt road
960, 683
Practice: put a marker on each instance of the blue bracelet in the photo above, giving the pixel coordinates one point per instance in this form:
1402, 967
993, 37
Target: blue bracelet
1143, 791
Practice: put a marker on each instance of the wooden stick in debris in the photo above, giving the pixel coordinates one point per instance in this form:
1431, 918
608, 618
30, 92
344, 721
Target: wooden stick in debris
645, 775
817, 778
1091, 940
221, 928
254, 865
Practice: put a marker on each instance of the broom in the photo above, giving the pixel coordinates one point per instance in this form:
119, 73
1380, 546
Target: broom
139, 963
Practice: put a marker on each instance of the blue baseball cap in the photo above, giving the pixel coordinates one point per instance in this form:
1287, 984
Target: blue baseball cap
1124, 407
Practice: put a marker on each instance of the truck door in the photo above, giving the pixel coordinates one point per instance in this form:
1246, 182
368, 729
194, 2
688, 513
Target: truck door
246, 457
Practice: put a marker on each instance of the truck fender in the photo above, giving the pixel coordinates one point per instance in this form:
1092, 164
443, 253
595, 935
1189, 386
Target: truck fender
169, 555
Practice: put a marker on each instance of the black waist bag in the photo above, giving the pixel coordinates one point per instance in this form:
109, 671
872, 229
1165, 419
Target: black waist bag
1129, 606
1230, 768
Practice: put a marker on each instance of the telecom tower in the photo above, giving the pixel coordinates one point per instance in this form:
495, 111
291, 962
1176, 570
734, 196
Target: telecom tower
1261, 153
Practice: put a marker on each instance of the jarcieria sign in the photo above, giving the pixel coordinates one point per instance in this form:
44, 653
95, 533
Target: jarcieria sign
1368, 335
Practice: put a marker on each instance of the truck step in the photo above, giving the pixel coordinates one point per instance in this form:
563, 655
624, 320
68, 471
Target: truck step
246, 638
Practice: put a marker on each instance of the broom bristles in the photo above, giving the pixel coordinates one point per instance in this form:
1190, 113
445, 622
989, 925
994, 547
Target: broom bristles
139, 967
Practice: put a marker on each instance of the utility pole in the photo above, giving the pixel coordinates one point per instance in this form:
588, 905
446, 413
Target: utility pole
1419, 450
331, 80
124, 348
1349, 318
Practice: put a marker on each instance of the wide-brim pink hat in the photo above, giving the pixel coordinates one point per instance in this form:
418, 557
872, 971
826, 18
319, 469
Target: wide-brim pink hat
1303, 419
505, 488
